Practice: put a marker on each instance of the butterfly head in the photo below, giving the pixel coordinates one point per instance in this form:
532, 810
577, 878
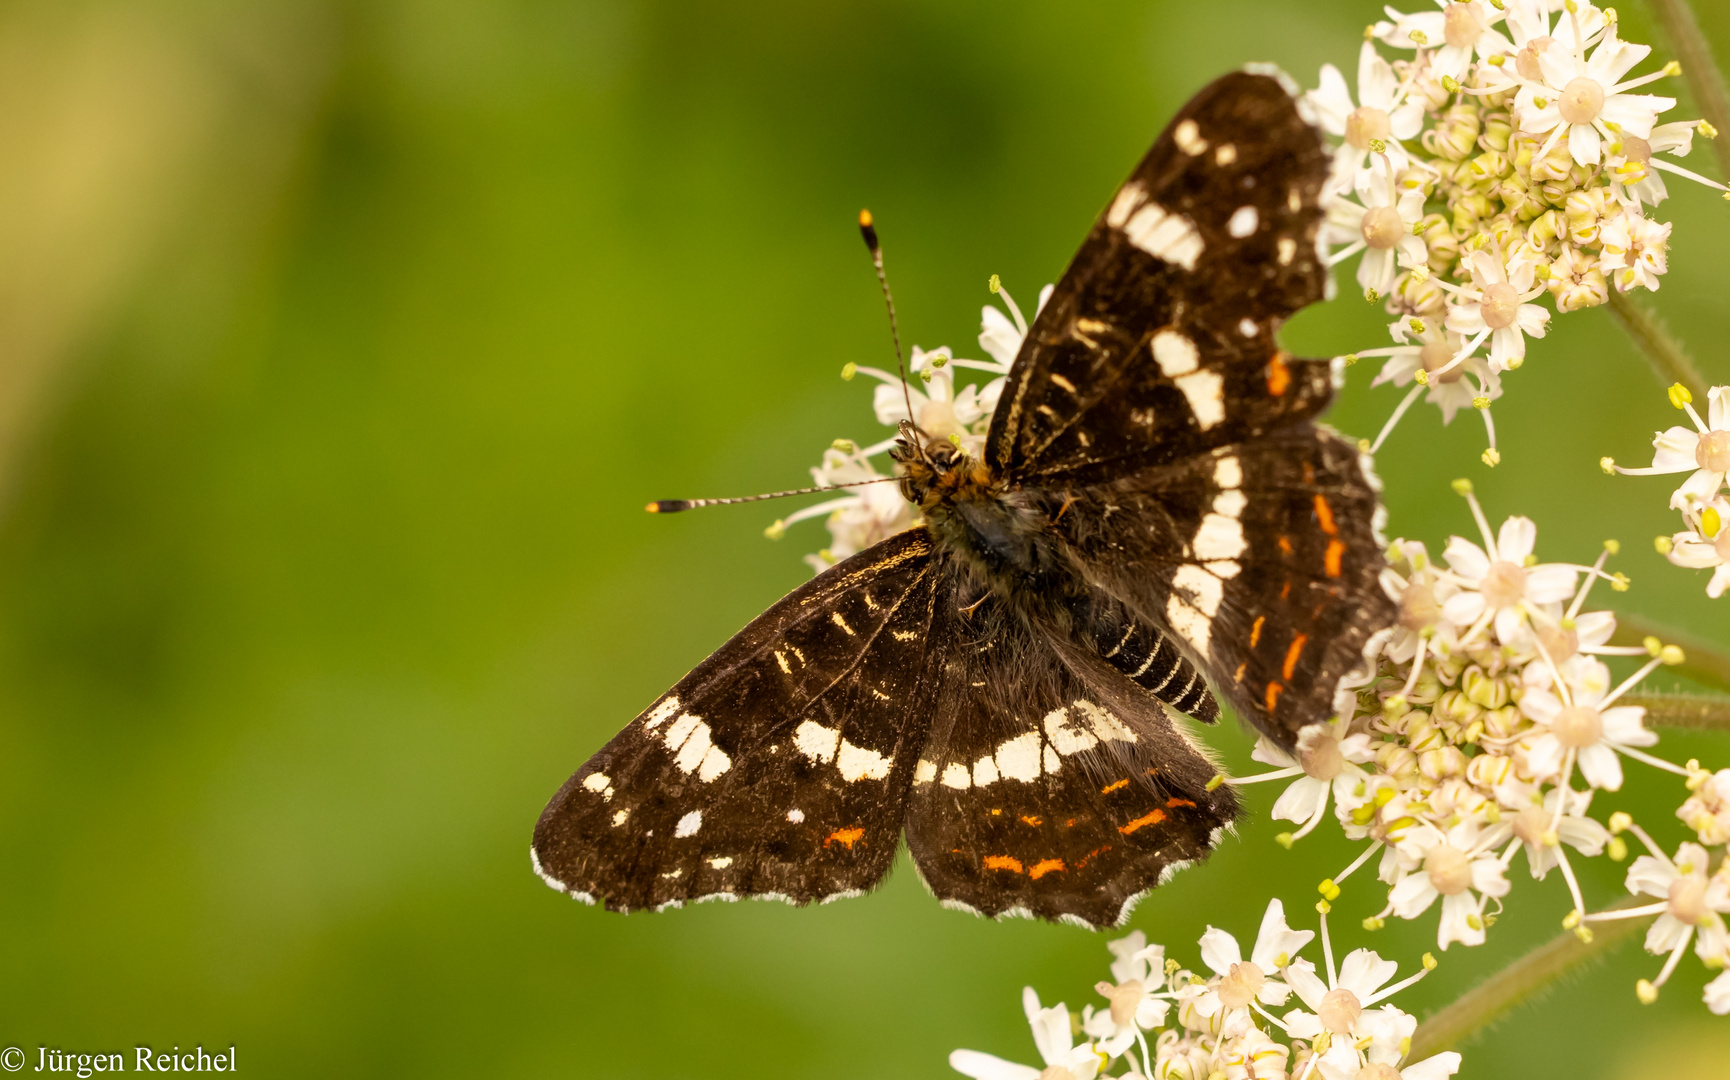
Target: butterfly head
934, 471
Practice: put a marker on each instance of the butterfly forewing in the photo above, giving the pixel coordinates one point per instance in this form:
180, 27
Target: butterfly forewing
1158, 343
779, 766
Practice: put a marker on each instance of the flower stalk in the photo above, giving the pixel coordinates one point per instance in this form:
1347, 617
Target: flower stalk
1699, 68
1519, 982
1684, 711
1669, 360
1703, 662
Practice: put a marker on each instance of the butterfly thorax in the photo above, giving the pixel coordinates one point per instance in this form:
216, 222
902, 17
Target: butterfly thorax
996, 531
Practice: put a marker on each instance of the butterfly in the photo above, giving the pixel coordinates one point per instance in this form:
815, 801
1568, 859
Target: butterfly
1155, 524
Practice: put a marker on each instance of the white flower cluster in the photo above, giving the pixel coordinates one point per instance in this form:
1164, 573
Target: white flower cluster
1500, 156
1490, 728
872, 512
1221, 1025
1702, 452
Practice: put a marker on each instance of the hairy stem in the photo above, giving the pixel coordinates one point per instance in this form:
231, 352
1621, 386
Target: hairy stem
1699, 68
1517, 984
1666, 355
1682, 711
1706, 663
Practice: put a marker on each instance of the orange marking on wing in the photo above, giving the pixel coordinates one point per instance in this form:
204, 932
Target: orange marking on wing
1175, 803
844, 836
1081, 862
1278, 375
1152, 817
1045, 866
1291, 656
1285, 545
1111, 787
1003, 862
1285, 591
1332, 561
1255, 631
1033, 819
1273, 692
1241, 668
1325, 515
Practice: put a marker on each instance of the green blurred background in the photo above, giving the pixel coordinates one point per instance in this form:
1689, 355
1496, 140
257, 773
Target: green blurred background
340, 347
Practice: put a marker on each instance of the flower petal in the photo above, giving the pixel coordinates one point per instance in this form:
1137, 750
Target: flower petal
1219, 951
982, 1066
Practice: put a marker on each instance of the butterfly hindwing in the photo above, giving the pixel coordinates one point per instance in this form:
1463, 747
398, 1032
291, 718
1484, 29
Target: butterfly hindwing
1050, 793
1261, 558
778, 767
1158, 342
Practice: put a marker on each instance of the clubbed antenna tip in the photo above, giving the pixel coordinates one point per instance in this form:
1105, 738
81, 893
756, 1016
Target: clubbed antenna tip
868, 231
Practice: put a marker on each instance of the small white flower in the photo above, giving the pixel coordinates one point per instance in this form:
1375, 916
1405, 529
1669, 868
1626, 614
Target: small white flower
1248, 1055
1635, 250
1456, 868
1327, 760
1706, 544
1456, 33
1707, 809
1585, 99
1632, 165
1717, 995
1430, 347
1380, 227
1688, 903
938, 409
1382, 113
864, 516
1063, 1060
1582, 727
1704, 453
1542, 832
1242, 981
1576, 281
1137, 1000
1499, 306
1340, 1005
1420, 593
1529, 28
1498, 584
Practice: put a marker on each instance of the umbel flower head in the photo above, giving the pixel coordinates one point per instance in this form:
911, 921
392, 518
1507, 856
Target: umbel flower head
1507, 150
1490, 724
1167, 1022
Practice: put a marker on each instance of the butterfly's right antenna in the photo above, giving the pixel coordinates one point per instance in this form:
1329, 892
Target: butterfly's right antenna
869, 232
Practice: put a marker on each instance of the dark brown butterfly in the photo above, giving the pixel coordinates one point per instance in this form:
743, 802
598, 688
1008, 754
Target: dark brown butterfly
1156, 522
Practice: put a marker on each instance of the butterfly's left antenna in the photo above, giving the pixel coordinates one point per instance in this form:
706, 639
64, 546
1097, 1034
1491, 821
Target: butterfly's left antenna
674, 506
869, 231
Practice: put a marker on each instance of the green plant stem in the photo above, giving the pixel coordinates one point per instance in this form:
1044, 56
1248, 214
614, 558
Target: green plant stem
1699, 68
1517, 984
1682, 711
1663, 352
1706, 663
